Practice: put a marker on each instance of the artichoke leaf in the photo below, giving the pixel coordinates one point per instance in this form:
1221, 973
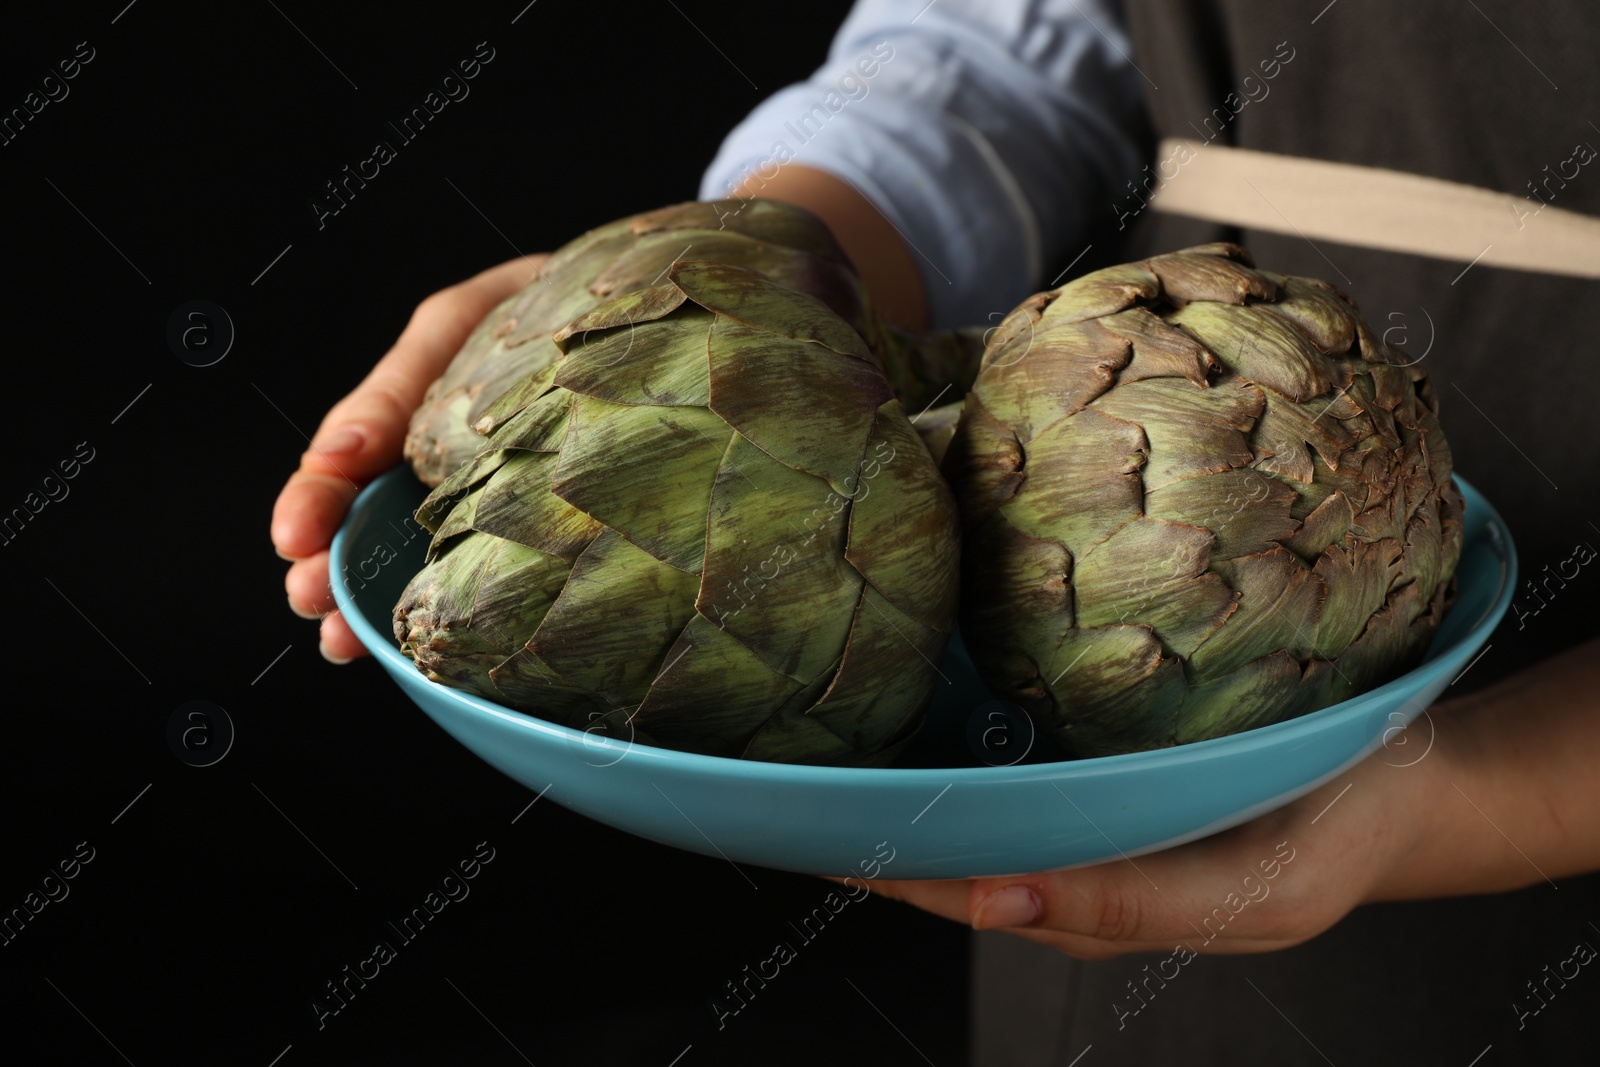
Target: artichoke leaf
1101, 292
1020, 588
438, 432
1191, 431
628, 309
663, 366
983, 462
1116, 691
1386, 511
1246, 509
858, 706
1154, 573
762, 304
533, 685
707, 659
1324, 315
1021, 321
1280, 600
437, 505
458, 520
1284, 431
819, 274
1423, 561
805, 405
1359, 575
1260, 347
1091, 485
516, 589
618, 614
1326, 524
774, 554
1260, 692
436, 607
1452, 527
792, 736
1383, 648
527, 389
541, 426
463, 614
904, 537
1437, 448
1378, 421
762, 220
525, 372
1217, 273
646, 472
1160, 350
646, 259
1391, 385
1041, 378
517, 504
937, 427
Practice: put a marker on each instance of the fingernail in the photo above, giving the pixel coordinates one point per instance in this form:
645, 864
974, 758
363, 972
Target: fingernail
1015, 905
330, 657
303, 614
340, 442
282, 554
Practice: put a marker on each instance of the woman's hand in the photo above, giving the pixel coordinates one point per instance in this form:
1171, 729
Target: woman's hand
362, 436
1268, 884
1484, 794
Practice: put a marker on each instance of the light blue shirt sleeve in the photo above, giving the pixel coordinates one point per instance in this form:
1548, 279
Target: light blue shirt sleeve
986, 131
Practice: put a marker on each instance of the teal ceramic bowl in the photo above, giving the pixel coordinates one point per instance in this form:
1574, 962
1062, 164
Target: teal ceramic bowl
974, 796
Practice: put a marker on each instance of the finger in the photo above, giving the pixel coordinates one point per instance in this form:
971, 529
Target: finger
1235, 891
1090, 920
1158, 898
1152, 900
948, 899
362, 436
310, 595
1087, 948
953, 900
308, 511
337, 642
1226, 894
360, 439
435, 332
441, 323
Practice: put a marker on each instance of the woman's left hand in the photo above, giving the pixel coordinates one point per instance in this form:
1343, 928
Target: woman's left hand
1407, 822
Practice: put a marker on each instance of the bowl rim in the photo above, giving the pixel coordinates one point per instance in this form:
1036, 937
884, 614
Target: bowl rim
387, 653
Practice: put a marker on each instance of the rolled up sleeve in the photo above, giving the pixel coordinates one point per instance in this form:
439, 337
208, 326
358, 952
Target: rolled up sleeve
982, 129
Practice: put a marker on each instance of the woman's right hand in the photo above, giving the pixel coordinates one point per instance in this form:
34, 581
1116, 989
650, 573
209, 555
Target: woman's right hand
362, 436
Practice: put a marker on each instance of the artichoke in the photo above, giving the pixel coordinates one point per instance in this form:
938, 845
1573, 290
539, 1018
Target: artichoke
786, 243
706, 524
1197, 498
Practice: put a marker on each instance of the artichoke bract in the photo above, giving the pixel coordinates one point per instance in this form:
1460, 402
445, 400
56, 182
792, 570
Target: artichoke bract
786, 243
1198, 498
707, 525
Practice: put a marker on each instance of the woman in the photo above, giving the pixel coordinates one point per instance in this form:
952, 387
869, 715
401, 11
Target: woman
1432, 904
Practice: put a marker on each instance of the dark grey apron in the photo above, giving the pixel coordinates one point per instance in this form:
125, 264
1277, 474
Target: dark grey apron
1489, 93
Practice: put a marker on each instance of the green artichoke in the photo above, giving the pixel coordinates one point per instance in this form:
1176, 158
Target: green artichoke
706, 524
786, 243
1197, 498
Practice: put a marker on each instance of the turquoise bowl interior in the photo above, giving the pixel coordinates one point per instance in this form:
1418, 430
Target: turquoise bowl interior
965, 800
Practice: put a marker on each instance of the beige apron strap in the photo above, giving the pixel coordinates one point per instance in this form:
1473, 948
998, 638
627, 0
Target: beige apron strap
1374, 208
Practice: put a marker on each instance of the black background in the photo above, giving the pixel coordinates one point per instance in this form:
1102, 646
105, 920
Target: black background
183, 163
